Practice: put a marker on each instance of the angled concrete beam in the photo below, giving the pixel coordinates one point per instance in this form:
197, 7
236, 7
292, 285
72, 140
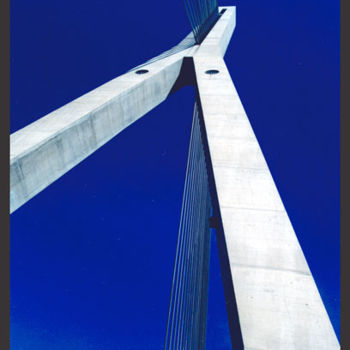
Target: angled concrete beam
271, 297
46, 149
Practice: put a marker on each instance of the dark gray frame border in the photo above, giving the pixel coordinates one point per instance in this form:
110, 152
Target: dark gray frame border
4, 176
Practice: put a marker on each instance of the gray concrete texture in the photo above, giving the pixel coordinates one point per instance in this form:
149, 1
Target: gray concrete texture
279, 306
278, 303
46, 149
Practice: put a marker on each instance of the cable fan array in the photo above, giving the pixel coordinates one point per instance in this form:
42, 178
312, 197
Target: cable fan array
202, 15
187, 317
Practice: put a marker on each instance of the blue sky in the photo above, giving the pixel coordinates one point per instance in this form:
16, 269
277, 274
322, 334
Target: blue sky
92, 255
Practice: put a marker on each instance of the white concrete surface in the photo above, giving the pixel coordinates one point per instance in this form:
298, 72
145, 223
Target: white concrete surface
46, 149
279, 306
217, 40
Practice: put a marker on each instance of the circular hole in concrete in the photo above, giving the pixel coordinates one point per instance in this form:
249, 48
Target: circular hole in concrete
142, 71
212, 71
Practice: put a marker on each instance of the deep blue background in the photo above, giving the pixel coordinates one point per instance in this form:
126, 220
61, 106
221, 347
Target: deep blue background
92, 255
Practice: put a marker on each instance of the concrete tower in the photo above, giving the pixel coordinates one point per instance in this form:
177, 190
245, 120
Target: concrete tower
271, 297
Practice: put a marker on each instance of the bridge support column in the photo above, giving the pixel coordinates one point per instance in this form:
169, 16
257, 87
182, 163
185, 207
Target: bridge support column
272, 298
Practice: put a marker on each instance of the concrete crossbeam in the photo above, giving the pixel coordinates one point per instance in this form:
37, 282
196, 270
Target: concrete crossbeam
46, 149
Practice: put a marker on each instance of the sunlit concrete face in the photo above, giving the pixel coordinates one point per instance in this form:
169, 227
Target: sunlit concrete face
46, 149
278, 304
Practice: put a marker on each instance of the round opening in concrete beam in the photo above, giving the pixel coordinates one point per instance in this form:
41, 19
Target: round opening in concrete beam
212, 71
142, 71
